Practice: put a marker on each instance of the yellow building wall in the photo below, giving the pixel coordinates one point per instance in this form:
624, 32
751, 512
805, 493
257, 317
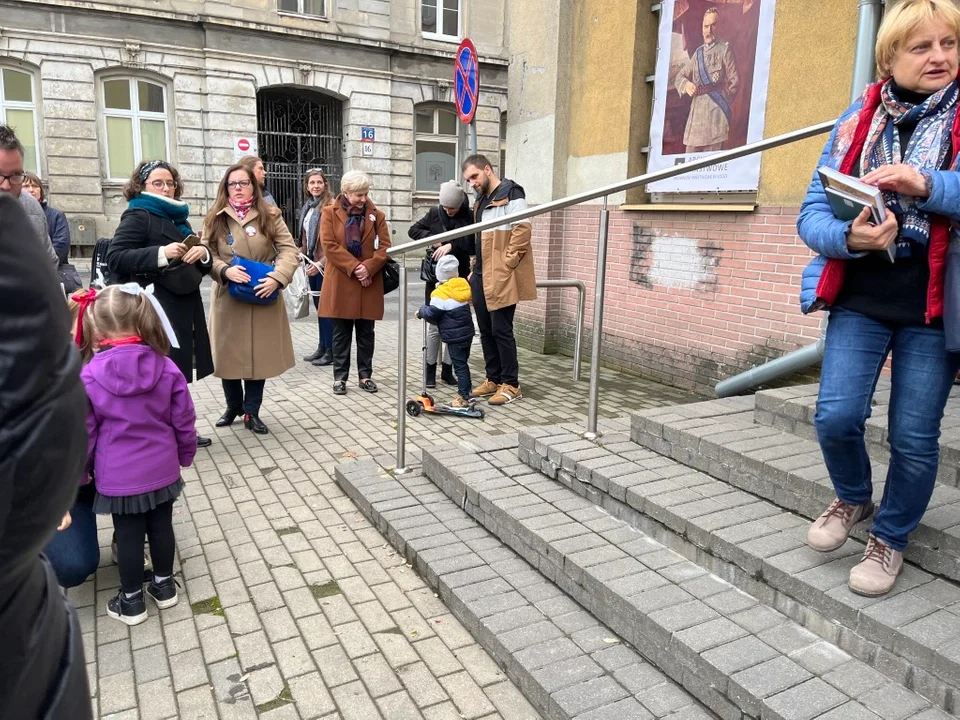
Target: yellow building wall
810, 75
614, 49
602, 59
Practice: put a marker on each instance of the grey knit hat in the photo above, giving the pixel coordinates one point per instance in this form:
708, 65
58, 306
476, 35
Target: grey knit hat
451, 194
448, 267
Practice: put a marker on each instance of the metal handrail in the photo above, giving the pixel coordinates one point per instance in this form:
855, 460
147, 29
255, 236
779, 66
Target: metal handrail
581, 311
600, 281
629, 184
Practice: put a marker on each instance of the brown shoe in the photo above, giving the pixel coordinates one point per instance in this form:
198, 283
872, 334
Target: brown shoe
876, 573
487, 387
459, 403
831, 530
505, 394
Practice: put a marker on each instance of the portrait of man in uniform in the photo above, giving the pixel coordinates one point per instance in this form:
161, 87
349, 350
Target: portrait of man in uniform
711, 79
709, 75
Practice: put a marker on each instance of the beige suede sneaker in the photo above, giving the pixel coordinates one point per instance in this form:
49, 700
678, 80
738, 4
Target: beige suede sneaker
831, 530
487, 387
506, 394
876, 573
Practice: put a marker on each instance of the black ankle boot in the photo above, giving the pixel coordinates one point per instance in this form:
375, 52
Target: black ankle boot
228, 417
324, 360
446, 374
317, 353
255, 424
431, 375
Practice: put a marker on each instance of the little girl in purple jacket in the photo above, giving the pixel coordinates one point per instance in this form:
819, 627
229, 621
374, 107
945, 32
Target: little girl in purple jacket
141, 425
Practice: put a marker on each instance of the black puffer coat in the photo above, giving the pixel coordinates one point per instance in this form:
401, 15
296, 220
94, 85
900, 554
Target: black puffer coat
437, 221
43, 450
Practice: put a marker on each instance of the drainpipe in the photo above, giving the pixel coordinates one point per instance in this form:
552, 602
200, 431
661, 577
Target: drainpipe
864, 72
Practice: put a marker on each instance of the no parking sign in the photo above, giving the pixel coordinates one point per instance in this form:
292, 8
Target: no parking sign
466, 78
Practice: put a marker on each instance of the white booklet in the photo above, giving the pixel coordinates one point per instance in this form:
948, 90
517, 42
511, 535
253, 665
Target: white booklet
848, 196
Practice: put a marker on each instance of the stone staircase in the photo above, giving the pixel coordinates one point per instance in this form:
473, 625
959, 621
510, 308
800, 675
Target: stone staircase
679, 535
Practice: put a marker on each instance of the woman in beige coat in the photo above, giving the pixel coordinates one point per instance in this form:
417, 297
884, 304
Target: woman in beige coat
250, 342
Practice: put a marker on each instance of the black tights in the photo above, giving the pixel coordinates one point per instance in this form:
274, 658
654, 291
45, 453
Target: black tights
157, 525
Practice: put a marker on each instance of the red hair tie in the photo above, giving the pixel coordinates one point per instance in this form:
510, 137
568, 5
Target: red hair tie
84, 298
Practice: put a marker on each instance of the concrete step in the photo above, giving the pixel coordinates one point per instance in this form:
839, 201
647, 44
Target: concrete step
720, 438
567, 664
911, 635
740, 657
792, 409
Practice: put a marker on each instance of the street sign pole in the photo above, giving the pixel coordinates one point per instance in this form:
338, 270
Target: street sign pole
472, 129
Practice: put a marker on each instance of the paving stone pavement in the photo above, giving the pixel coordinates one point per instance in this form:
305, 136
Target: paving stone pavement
293, 605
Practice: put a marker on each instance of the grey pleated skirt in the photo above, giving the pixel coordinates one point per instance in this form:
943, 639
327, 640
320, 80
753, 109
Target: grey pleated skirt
137, 504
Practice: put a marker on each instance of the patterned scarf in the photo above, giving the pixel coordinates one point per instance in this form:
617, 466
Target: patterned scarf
176, 211
312, 203
241, 207
353, 230
926, 150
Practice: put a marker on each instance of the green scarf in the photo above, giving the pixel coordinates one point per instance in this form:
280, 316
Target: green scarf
175, 211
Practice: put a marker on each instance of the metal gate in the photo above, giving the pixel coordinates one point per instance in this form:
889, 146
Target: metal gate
298, 130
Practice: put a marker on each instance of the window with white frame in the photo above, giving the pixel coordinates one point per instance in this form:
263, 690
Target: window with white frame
440, 19
436, 146
18, 109
316, 8
135, 117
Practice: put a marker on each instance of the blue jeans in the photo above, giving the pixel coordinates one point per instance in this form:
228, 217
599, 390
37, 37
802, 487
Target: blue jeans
326, 324
921, 376
75, 552
459, 355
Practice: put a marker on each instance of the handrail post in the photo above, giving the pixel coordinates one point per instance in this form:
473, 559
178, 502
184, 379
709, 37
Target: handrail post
578, 338
401, 467
599, 288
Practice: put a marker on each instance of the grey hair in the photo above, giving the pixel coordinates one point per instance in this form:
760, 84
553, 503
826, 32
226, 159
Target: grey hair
354, 181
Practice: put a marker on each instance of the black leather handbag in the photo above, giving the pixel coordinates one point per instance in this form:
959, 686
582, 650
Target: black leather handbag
428, 268
391, 276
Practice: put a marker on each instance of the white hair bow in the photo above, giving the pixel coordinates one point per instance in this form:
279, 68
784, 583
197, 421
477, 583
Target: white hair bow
132, 288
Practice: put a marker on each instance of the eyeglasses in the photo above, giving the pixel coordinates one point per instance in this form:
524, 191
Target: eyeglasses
14, 179
161, 184
238, 184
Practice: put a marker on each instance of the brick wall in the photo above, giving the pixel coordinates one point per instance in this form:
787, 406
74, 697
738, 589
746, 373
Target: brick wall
691, 299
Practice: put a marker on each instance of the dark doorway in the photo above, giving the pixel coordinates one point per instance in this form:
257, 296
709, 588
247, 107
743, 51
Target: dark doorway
298, 130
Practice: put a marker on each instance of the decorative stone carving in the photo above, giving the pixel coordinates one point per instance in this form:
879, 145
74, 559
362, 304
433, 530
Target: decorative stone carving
131, 49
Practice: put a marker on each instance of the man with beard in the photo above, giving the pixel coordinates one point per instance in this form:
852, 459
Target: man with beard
502, 276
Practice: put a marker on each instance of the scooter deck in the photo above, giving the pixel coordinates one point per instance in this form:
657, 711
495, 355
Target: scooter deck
462, 412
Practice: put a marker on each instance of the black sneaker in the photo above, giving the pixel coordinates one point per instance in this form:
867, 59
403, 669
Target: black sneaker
129, 611
164, 593
340, 388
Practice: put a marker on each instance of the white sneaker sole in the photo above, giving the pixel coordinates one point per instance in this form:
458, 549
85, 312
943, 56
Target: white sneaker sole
130, 620
506, 402
164, 604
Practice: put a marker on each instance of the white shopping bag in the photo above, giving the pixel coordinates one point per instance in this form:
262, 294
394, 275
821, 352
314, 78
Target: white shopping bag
296, 295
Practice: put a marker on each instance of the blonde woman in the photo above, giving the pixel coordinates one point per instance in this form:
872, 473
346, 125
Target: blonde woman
251, 342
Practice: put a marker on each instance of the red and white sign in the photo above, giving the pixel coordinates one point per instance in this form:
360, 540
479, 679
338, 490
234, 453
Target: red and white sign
244, 145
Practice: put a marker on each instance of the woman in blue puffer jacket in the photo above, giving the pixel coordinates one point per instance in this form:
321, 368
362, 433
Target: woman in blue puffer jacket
902, 136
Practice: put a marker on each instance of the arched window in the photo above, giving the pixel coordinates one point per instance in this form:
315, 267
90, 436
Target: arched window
136, 126
436, 146
18, 109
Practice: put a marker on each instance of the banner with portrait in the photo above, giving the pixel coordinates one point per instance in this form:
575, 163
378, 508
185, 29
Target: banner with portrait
710, 91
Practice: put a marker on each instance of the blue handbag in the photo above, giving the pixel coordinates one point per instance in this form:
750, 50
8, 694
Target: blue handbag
247, 292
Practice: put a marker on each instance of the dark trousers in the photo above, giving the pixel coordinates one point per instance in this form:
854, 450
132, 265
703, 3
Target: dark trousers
496, 337
325, 324
342, 334
246, 395
157, 525
460, 354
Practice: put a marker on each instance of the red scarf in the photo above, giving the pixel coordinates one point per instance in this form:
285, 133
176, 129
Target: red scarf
241, 208
117, 342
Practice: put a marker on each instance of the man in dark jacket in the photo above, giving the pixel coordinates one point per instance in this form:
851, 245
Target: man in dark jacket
452, 213
43, 446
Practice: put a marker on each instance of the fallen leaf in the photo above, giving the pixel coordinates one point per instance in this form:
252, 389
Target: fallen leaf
349, 454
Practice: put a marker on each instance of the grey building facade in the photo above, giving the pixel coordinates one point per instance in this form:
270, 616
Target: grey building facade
94, 87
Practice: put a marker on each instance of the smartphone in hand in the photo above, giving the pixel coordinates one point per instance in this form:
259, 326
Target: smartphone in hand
191, 240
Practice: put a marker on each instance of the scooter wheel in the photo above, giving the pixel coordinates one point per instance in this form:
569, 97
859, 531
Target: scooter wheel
480, 413
413, 408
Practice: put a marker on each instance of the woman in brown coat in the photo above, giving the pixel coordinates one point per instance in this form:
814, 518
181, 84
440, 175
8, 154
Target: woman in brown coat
250, 342
355, 238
